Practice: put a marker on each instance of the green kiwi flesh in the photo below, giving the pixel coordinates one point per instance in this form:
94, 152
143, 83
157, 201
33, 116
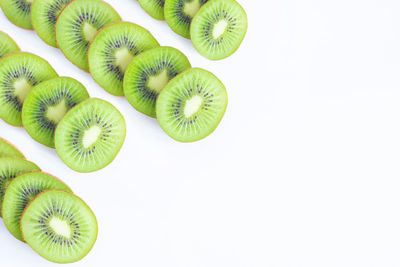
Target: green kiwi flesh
44, 17
191, 105
113, 49
154, 8
59, 226
148, 74
18, 12
20, 192
7, 45
9, 150
47, 104
218, 29
11, 168
19, 73
90, 135
78, 24
179, 14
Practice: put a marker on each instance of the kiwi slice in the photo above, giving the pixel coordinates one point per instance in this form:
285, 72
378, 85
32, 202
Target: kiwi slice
9, 150
19, 73
44, 16
78, 24
59, 226
18, 12
113, 49
154, 8
47, 104
10, 168
7, 45
218, 29
179, 14
22, 190
90, 135
191, 105
149, 73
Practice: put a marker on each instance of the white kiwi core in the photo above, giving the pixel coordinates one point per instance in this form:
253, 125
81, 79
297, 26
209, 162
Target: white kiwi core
219, 28
29, 1
192, 105
191, 8
60, 227
56, 113
123, 57
89, 31
21, 88
90, 136
157, 82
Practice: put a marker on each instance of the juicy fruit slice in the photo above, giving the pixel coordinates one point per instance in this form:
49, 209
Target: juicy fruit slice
19, 73
59, 226
113, 49
179, 14
154, 8
9, 150
78, 24
10, 168
7, 45
148, 74
90, 136
192, 105
18, 12
218, 29
47, 104
44, 18
20, 192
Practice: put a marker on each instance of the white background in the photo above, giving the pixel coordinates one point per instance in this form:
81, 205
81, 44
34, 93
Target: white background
302, 171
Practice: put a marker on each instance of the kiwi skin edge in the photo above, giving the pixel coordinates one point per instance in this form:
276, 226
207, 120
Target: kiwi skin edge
95, 240
4, 140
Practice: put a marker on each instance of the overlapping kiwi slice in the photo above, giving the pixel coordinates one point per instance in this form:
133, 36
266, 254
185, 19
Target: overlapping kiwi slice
90, 135
113, 49
19, 73
10, 168
179, 14
218, 29
59, 226
147, 75
191, 105
9, 150
44, 17
78, 24
154, 8
20, 192
18, 12
7, 45
47, 104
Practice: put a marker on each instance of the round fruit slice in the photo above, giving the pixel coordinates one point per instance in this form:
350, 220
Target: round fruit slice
179, 14
59, 226
44, 16
77, 25
90, 136
218, 29
154, 8
18, 12
7, 45
148, 74
113, 49
192, 105
19, 73
22, 190
9, 150
10, 168
47, 104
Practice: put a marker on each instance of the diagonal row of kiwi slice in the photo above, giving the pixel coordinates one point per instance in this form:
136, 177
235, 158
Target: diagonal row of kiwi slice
59, 113
41, 210
216, 27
